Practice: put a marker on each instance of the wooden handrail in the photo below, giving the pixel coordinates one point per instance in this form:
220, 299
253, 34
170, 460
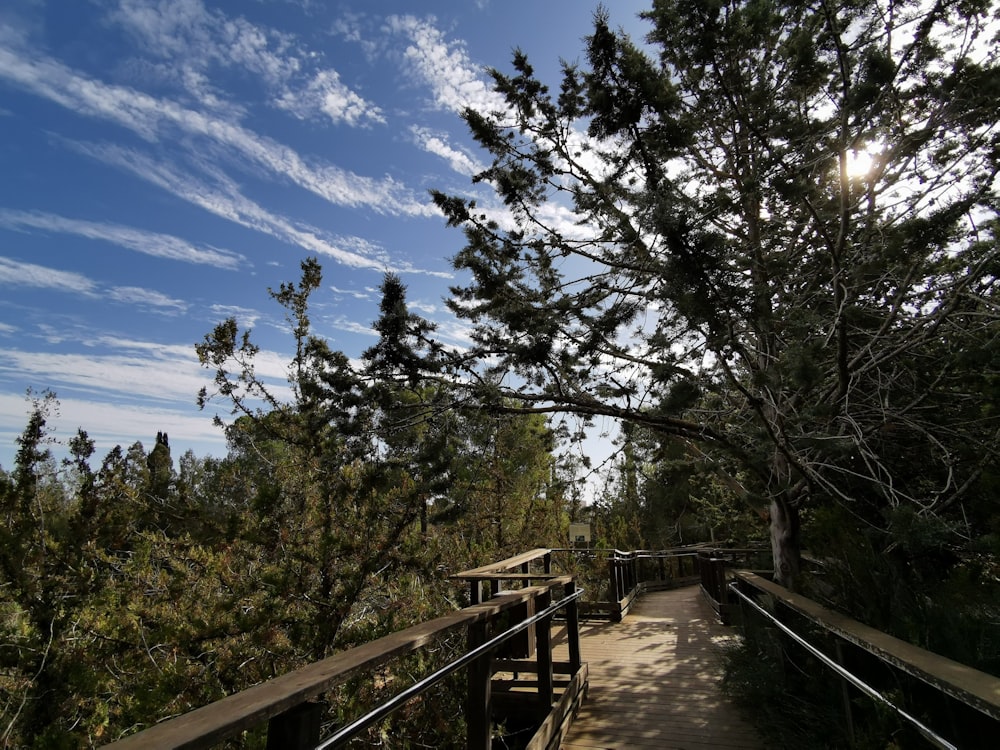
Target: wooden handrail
496, 572
508, 577
249, 708
970, 686
505, 565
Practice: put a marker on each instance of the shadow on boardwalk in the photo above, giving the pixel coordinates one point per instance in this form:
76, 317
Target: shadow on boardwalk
654, 680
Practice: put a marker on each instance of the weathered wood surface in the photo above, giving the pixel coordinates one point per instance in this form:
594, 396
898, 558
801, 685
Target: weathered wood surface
505, 565
654, 680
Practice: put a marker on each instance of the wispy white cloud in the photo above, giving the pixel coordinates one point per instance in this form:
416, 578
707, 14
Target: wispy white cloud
352, 326
194, 40
159, 375
223, 198
459, 159
445, 66
154, 118
7, 329
348, 27
20, 274
351, 293
246, 317
356, 28
185, 29
327, 94
121, 390
127, 371
148, 298
53, 334
427, 308
16, 273
151, 243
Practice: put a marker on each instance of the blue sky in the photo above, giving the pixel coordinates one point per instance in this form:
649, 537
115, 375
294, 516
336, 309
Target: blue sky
164, 162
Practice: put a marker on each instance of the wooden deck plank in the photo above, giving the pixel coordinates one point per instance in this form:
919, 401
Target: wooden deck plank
654, 680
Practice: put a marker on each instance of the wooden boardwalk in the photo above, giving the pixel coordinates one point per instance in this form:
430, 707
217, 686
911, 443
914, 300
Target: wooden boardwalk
654, 680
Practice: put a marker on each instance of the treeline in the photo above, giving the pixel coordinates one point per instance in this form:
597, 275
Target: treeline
135, 587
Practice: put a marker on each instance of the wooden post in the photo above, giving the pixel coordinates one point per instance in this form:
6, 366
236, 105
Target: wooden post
295, 729
629, 571
547, 562
704, 571
744, 624
475, 592
573, 629
526, 569
543, 645
478, 700
719, 571
615, 590
522, 645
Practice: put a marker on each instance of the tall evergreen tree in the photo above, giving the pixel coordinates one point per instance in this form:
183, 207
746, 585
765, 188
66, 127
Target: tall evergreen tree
688, 242
161, 468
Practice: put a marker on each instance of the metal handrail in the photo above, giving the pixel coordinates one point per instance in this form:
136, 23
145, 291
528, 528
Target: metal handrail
380, 712
929, 734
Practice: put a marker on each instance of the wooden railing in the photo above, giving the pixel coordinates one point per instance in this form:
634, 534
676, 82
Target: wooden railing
511, 631
948, 704
515, 569
629, 574
633, 573
715, 569
626, 575
623, 575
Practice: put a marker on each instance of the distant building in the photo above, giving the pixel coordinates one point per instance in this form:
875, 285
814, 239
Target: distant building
579, 535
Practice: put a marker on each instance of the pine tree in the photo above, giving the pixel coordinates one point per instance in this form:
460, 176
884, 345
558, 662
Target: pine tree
686, 244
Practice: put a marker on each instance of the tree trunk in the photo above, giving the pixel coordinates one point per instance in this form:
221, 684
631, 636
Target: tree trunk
785, 542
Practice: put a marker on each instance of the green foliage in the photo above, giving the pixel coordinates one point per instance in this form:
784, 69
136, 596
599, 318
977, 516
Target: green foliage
662, 494
502, 498
143, 590
435, 719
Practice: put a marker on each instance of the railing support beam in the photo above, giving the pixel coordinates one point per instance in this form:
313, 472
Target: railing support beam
543, 640
296, 729
573, 629
479, 700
